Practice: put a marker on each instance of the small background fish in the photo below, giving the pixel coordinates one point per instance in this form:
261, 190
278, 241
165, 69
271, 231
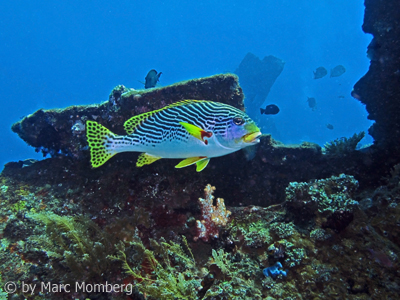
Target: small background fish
320, 72
271, 109
151, 79
338, 71
312, 103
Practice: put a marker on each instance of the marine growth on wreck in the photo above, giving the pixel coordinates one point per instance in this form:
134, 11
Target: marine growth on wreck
112, 212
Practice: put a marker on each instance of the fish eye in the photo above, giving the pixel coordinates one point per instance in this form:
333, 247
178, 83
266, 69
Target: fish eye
238, 121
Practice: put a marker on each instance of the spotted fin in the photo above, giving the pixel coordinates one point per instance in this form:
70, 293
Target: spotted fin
98, 138
146, 159
131, 124
190, 161
197, 132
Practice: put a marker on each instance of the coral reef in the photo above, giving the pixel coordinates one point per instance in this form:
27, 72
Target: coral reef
343, 146
62, 221
48, 239
213, 217
330, 200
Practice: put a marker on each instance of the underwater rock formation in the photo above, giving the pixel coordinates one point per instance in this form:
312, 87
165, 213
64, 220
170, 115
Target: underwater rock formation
256, 78
379, 88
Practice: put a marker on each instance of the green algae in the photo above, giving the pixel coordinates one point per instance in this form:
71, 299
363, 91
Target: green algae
75, 243
170, 275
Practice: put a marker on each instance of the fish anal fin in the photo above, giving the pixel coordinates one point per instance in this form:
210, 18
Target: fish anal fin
190, 161
200, 165
197, 132
146, 159
131, 124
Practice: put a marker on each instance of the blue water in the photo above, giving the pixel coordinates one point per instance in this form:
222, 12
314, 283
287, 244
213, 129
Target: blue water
60, 53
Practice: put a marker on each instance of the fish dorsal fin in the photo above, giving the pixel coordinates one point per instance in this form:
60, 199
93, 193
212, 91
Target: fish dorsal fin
131, 124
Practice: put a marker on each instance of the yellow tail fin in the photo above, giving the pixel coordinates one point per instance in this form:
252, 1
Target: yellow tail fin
98, 137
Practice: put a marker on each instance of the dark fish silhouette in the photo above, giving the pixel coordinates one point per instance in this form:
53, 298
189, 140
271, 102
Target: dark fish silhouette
337, 71
151, 79
271, 109
312, 103
329, 126
320, 72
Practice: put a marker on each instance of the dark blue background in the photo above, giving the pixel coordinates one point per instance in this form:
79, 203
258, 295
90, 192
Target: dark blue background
59, 53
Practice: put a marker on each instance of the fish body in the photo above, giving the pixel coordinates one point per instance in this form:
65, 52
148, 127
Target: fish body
271, 109
151, 79
338, 71
320, 72
312, 103
195, 130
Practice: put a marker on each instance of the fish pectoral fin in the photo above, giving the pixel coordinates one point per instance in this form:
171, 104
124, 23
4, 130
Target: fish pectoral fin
197, 132
200, 165
146, 159
190, 161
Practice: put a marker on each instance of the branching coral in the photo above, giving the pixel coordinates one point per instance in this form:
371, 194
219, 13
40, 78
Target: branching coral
213, 217
343, 146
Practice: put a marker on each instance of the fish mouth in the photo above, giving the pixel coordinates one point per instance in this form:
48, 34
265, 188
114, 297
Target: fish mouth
251, 138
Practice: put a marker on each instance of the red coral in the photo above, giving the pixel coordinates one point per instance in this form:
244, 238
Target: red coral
213, 217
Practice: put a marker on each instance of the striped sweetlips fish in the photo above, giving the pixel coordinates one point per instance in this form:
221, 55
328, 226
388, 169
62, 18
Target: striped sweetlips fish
195, 130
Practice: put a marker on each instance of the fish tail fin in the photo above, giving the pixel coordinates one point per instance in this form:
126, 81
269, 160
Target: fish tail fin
262, 110
99, 138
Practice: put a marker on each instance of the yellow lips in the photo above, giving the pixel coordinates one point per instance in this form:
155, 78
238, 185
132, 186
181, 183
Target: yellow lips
251, 137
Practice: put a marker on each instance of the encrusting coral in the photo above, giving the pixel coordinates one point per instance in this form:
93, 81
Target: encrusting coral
214, 217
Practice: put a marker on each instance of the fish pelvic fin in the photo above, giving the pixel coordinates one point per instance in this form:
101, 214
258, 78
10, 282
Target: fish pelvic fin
200, 165
197, 132
200, 161
146, 159
98, 138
